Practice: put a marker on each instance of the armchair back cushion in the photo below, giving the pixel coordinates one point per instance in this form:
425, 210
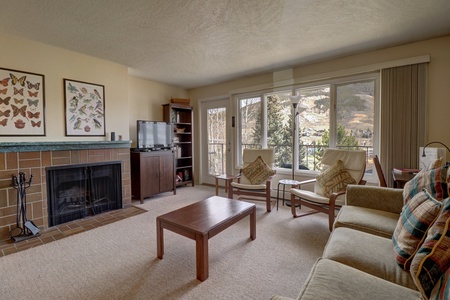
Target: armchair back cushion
354, 162
258, 171
250, 155
334, 179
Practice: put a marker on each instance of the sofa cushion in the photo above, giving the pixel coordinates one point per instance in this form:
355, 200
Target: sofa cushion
433, 258
366, 252
434, 181
441, 290
257, 171
417, 216
332, 280
334, 179
378, 222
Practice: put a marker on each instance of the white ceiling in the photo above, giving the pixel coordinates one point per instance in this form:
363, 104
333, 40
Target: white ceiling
192, 43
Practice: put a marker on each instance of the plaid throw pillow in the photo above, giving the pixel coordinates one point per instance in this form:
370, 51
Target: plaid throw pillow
434, 181
417, 216
334, 179
432, 260
258, 171
442, 289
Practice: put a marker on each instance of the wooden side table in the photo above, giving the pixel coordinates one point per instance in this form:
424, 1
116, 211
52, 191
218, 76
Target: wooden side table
223, 177
401, 178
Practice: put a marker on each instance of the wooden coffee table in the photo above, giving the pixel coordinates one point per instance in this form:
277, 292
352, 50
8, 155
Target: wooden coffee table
201, 221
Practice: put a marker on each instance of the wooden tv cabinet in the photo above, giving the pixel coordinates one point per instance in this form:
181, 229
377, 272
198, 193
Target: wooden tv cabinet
152, 173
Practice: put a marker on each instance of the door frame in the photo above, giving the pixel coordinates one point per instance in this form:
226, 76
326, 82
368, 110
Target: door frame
203, 145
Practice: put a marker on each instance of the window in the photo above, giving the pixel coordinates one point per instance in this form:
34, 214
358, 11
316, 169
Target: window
339, 113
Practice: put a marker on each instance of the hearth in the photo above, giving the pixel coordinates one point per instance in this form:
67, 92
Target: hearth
77, 191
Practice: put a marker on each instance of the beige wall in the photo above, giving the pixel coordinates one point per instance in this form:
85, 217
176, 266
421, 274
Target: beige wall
438, 86
127, 98
56, 64
145, 98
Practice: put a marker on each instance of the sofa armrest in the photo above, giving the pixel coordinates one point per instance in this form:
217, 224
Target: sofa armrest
380, 198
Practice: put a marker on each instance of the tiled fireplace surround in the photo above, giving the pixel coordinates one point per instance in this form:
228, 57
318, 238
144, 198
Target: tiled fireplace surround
33, 158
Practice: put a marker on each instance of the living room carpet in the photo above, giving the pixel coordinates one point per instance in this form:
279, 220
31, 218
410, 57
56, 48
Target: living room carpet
118, 260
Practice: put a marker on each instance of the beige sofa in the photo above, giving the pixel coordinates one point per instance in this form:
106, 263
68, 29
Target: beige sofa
358, 260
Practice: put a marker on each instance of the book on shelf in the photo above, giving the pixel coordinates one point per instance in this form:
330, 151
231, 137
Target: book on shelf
406, 171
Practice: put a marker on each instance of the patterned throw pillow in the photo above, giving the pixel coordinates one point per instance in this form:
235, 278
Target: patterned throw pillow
334, 179
437, 163
434, 181
432, 260
417, 216
258, 171
442, 289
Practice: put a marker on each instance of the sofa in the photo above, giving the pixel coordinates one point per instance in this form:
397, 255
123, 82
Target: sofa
360, 260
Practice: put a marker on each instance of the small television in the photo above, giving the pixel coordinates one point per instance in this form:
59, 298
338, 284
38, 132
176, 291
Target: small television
154, 135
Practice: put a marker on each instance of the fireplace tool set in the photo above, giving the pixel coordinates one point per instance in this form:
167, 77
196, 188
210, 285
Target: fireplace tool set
25, 228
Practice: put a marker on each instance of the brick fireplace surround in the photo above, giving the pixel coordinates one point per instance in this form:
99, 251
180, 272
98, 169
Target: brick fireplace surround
34, 157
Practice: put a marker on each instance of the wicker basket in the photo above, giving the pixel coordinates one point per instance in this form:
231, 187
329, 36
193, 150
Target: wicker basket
180, 101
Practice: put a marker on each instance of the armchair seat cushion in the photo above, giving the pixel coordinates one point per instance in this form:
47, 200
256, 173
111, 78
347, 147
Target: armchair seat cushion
243, 186
368, 253
311, 196
373, 221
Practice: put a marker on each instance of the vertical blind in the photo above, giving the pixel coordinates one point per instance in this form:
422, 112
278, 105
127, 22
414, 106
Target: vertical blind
403, 111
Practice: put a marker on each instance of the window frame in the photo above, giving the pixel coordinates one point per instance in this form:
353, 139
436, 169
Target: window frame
333, 83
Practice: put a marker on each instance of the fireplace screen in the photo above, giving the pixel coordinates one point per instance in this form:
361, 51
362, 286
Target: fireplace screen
77, 191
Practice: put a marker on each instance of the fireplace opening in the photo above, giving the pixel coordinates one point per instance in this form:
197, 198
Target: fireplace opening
77, 191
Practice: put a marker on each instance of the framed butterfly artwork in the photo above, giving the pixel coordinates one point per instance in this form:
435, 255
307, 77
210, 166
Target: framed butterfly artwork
84, 108
22, 103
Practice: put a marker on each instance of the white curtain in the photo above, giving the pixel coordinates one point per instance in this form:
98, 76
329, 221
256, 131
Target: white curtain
403, 112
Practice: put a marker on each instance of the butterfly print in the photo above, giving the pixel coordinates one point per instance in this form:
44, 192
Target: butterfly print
5, 113
15, 80
35, 124
17, 111
33, 102
32, 94
35, 86
35, 115
20, 124
5, 81
16, 91
5, 101
18, 101
3, 122
3, 91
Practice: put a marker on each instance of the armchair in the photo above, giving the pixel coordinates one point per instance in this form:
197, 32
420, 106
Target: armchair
242, 186
329, 195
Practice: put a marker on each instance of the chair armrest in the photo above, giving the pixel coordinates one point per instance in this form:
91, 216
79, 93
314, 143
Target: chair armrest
380, 198
297, 186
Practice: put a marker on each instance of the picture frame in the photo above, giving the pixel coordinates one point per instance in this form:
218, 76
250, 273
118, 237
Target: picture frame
22, 103
84, 108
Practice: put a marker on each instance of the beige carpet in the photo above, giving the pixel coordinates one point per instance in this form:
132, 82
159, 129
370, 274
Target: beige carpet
118, 261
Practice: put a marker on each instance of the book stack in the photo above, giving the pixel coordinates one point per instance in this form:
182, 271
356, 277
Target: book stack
406, 171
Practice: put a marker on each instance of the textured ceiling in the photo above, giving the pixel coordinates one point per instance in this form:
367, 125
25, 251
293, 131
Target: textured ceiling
192, 43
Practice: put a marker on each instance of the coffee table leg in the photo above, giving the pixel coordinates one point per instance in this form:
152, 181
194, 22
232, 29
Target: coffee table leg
202, 257
253, 223
159, 239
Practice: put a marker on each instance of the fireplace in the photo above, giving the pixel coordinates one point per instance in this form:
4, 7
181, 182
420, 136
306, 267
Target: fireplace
77, 191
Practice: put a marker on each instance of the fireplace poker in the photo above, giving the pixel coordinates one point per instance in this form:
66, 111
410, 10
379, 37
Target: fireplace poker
29, 228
